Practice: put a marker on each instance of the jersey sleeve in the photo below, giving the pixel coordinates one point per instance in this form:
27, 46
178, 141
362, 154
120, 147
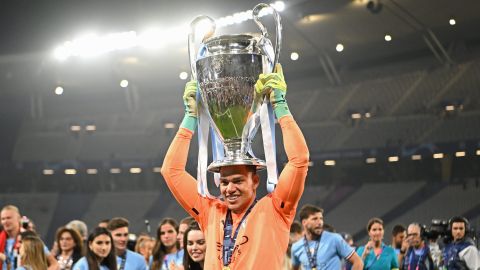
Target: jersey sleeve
182, 185
343, 249
292, 179
294, 254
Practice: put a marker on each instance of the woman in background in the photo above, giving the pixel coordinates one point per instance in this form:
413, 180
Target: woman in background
100, 254
70, 247
32, 255
166, 252
194, 246
375, 254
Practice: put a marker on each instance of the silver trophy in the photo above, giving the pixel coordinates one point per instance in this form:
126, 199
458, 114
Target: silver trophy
227, 68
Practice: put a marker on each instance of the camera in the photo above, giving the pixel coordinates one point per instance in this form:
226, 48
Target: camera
438, 228
25, 222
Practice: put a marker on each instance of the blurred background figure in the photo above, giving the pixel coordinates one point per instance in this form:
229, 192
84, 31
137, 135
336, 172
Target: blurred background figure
32, 256
70, 247
194, 249
375, 254
415, 253
461, 252
182, 227
103, 223
100, 254
166, 252
144, 246
296, 233
398, 235
80, 227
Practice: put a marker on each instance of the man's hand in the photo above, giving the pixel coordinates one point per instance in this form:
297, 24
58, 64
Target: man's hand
190, 103
189, 98
273, 85
3, 257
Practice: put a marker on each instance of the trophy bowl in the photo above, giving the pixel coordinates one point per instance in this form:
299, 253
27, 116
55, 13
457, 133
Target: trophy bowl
226, 74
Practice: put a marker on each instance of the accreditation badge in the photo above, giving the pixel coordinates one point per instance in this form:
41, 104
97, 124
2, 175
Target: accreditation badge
226, 268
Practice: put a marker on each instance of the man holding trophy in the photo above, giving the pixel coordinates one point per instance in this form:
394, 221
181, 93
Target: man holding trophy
241, 232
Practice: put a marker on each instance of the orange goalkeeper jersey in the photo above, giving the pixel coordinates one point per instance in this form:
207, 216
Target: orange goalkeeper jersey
263, 236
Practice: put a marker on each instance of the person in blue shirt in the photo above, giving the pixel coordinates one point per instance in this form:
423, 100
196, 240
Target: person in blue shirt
126, 259
320, 249
32, 254
375, 254
166, 253
415, 254
100, 254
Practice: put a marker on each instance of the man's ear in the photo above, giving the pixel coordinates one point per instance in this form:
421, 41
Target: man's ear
256, 180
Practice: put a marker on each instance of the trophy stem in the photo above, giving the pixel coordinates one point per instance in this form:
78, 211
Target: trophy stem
234, 149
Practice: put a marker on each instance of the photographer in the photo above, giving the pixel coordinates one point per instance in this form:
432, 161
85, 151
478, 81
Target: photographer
415, 254
461, 253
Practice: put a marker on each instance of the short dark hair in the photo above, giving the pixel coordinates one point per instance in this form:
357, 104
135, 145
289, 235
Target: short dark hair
458, 219
117, 222
296, 227
373, 221
307, 210
399, 228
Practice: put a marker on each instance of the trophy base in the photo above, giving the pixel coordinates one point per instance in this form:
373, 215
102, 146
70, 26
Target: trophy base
215, 166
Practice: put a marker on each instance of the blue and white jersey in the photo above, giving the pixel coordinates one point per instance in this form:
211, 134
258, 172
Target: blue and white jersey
331, 249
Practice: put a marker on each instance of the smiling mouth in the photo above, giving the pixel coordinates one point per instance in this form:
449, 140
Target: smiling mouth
232, 198
196, 254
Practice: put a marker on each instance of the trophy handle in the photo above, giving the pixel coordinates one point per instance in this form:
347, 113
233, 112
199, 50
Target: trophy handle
191, 41
278, 24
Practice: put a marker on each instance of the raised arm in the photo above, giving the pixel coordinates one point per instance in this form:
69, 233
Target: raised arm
292, 179
182, 185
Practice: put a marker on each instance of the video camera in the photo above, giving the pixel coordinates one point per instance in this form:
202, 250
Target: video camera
441, 229
438, 228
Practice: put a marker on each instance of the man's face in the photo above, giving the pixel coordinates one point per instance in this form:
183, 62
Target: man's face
181, 231
238, 186
10, 220
314, 224
458, 230
413, 236
120, 239
168, 235
398, 239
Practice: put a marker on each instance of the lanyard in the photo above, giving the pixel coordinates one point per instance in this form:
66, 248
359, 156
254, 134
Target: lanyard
228, 240
124, 260
312, 259
412, 257
11, 254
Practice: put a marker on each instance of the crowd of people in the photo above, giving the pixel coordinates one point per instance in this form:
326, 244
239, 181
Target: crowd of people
183, 246
236, 230
105, 247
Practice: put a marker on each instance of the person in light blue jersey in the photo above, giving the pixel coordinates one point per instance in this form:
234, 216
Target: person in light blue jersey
166, 253
100, 253
126, 259
32, 255
375, 254
320, 249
